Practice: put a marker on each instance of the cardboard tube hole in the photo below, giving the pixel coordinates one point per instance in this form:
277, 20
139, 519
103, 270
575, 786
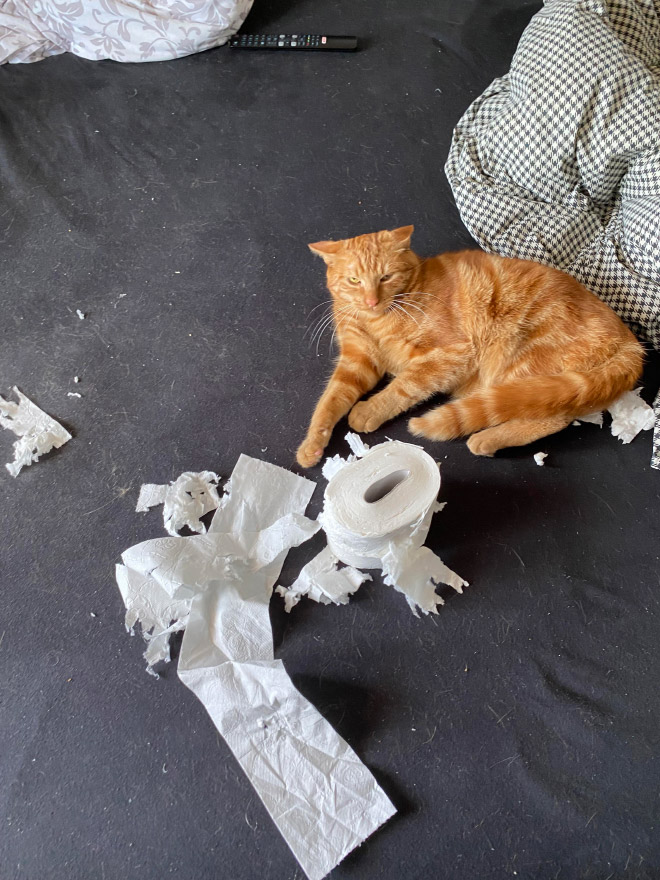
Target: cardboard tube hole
385, 485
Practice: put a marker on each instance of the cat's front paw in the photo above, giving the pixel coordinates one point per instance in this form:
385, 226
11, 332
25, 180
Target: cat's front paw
311, 449
364, 417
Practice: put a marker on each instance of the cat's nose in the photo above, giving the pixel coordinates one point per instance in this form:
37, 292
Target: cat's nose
371, 301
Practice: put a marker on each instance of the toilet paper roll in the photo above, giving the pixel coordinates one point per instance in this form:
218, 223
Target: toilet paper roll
386, 497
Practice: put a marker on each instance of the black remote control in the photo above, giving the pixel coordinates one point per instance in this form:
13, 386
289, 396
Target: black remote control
315, 42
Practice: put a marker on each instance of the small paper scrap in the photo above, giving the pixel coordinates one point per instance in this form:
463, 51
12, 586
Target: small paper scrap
81, 315
184, 500
333, 465
593, 419
38, 433
540, 458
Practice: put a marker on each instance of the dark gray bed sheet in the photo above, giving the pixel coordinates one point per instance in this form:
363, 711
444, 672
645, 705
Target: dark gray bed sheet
517, 731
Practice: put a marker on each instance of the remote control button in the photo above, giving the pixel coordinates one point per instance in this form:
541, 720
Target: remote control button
324, 40
294, 44
280, 43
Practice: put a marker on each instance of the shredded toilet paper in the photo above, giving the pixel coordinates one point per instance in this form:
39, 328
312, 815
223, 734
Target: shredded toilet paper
37, 432
333, 465
217, 587
376, 514
323, 582
630, 415
593, 419
184, 500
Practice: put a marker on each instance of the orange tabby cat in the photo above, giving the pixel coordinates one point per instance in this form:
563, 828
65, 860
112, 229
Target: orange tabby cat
522, 348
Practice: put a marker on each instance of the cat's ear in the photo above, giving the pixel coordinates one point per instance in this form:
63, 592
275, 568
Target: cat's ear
402, 235
325, 249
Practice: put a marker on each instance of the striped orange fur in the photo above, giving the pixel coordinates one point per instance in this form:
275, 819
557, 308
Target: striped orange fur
522, 348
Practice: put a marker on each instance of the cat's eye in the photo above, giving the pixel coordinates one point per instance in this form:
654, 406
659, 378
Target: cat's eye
385, 277
354, 280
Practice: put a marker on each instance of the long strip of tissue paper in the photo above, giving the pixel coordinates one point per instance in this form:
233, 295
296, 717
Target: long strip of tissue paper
37, 432
217, 586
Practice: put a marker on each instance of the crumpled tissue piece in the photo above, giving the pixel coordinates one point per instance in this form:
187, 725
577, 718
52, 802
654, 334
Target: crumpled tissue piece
218, 586
323, 582
37, 432
630, 415
540, 457
184, 500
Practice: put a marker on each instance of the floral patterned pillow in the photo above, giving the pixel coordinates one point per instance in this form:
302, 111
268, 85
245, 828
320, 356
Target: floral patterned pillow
122, 30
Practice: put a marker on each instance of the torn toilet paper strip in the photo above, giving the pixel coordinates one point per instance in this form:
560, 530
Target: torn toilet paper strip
218, 586
323, 582
324, 801
184, 500
377, 512
37, 432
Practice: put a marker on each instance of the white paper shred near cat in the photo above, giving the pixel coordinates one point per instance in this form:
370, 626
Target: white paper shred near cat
540, 457
333, 465
593, 419
630, 415
37, 432
218, 586
184, 500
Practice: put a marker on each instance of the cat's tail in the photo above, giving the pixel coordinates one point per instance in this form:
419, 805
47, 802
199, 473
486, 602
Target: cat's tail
571, 394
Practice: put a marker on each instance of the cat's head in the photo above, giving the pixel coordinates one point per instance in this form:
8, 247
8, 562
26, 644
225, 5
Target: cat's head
368, 271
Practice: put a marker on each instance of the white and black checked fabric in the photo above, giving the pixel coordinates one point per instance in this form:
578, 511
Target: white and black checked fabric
559, 160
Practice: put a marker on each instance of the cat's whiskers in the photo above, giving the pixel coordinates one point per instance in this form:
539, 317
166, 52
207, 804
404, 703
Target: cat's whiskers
317, 321
404, 297
413, 306
326, 302
326, 322
418, 293
406, 312
396, 310
354, 315
321, 326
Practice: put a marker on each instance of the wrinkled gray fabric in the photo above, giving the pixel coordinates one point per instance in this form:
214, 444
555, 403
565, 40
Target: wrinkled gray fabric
559, 160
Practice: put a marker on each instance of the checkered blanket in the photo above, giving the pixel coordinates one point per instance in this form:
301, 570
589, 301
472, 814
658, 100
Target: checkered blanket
559, 160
